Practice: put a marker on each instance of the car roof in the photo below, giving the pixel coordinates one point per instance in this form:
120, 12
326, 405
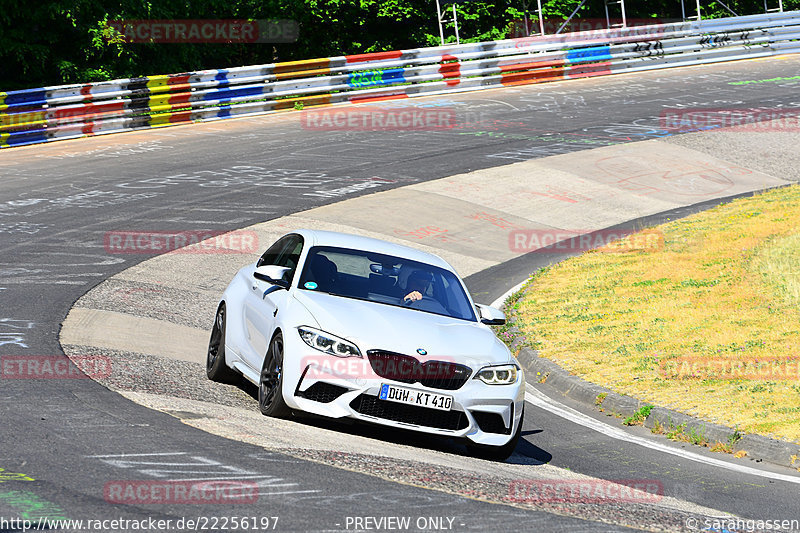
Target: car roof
359, 242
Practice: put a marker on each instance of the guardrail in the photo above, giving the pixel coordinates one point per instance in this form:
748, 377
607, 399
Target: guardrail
46, 114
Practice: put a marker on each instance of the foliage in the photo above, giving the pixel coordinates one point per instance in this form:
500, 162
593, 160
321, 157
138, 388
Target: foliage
49, 42
639, 416
598, 401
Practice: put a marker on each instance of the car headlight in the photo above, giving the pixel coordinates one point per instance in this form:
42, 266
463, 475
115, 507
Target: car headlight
498, 375
327, 343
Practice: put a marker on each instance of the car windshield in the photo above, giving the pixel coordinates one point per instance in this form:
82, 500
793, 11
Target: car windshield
385, 279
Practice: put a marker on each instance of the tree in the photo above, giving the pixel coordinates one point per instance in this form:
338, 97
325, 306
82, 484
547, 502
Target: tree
51, 42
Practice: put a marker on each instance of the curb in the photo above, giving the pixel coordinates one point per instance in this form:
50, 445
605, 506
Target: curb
757, 447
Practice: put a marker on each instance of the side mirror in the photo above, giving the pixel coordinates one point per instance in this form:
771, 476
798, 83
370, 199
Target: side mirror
272, 274
490, 316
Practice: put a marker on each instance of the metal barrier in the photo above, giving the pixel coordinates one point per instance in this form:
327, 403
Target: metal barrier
45, 114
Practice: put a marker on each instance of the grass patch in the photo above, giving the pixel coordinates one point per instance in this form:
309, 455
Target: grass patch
675, 432
779, 266
697, 437
724, 287
598, 401
658, 428
680, 433
727, 447
639, 416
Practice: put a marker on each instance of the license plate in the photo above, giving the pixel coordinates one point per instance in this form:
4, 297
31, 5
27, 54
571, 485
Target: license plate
415, 397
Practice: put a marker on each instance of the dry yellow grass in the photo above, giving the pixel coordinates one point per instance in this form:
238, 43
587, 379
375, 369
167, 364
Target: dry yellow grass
725, 287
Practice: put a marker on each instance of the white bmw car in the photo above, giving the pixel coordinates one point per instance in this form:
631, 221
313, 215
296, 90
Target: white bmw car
340, 326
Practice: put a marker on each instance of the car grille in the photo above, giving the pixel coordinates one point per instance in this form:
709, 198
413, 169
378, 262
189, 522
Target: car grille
322, 392
491, 422
407, 369
409, 414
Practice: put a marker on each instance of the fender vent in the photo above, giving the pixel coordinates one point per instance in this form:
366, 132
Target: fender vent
491, 422
322, 392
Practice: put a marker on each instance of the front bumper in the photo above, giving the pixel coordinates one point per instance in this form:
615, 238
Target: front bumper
484, 414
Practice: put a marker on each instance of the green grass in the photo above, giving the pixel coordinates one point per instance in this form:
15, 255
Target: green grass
639, 416
779, 265
724, 287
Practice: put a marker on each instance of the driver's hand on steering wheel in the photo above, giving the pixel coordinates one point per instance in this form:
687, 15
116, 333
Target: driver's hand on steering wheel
413, 296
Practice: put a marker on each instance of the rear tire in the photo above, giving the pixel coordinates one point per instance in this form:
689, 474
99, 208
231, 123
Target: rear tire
216, 369
270, 382
497, 453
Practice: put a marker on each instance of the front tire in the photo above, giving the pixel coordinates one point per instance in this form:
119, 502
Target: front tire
497, 453
270, 382
216, 369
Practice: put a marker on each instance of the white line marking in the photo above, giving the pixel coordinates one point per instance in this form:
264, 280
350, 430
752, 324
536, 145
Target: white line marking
497, 303
537, 398
288, 492
234, 476
138, 454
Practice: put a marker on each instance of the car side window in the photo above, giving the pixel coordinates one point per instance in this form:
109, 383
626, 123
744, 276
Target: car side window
271, 255
286, 253
290, 256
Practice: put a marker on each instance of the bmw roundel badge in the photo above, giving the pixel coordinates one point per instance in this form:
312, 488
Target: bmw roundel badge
421, 351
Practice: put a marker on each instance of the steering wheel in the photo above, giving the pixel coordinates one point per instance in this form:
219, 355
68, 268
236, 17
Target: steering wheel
432, 304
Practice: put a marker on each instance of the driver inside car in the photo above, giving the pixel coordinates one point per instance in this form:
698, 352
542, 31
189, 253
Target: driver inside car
417, 285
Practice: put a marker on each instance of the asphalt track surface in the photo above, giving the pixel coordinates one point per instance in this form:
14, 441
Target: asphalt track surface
57, 202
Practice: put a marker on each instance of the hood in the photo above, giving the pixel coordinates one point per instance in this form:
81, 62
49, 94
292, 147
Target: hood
372, 325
